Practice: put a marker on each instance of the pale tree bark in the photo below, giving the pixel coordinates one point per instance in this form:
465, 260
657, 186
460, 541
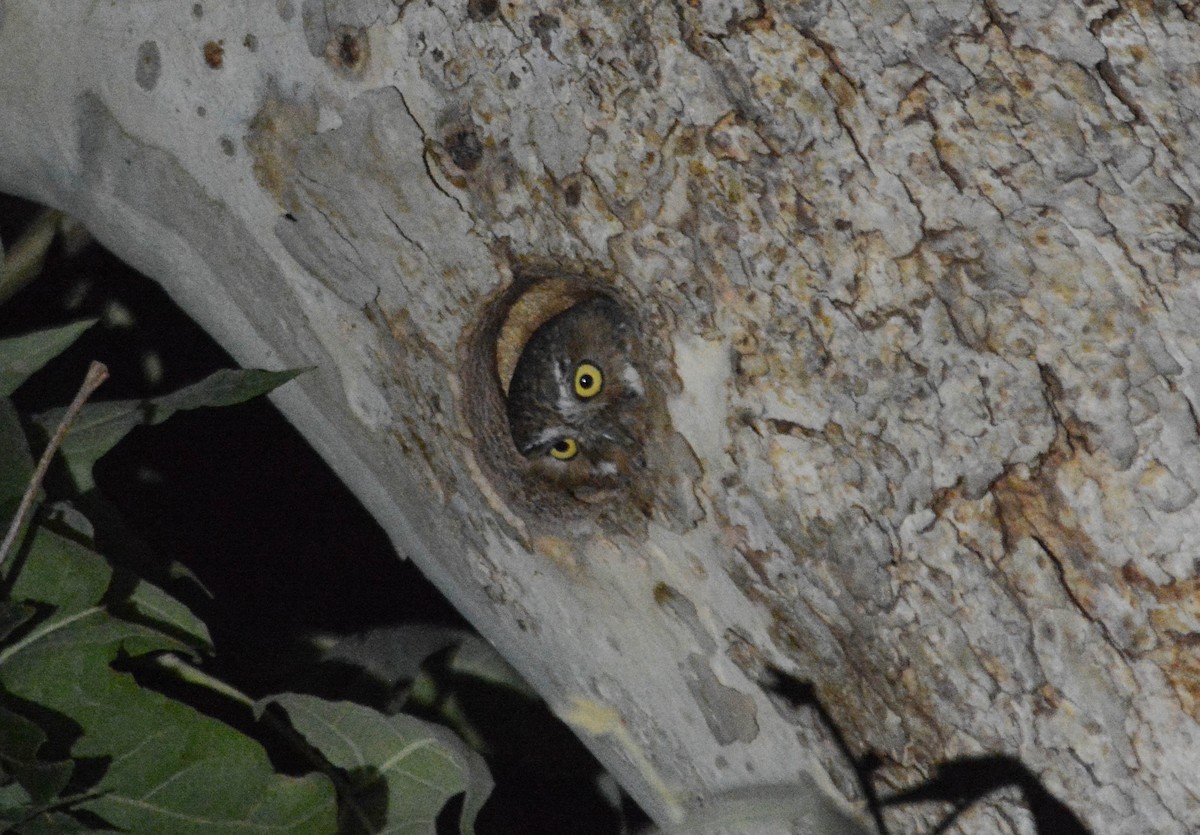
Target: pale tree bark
918, 292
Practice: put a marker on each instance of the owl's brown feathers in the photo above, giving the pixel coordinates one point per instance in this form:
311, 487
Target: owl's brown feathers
568, 437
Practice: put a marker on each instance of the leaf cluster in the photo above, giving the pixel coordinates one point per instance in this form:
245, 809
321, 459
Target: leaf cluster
86, 744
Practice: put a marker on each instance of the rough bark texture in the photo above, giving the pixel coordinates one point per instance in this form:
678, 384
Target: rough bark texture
918, 288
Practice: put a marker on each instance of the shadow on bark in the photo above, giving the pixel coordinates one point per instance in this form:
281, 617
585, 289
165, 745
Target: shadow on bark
960, 782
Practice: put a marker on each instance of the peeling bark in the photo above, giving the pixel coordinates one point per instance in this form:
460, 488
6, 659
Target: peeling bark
917, 286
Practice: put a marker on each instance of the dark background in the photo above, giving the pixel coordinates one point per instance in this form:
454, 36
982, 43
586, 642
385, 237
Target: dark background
238, 497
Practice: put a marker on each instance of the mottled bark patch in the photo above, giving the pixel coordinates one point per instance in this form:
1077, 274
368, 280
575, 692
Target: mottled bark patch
214, 54
542, 26
148, 66
325, 19
684, 611
274, 140
730, 714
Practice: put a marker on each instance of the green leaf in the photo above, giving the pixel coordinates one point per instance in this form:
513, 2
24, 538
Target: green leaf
13, 795
428, 668
101, 425
225, 388
20, 356
16, 463
13, 615
418, 766
20, 740
54, 823
151, 602
180, 668
62, 573
396, 653
478, 659
170, 768
391, 653
23, 262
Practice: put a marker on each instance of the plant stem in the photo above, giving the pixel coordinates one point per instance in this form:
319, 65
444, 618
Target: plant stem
97, 373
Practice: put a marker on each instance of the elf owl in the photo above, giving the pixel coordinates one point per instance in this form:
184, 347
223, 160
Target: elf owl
575, 399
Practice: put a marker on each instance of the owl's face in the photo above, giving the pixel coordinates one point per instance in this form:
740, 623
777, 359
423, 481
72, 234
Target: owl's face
575, 396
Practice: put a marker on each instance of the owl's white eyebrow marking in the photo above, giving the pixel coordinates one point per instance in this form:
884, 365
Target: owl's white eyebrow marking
633, 380
607, 467
568, 403
545, 436
560, 384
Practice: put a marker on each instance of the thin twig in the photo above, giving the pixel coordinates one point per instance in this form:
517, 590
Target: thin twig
97, 373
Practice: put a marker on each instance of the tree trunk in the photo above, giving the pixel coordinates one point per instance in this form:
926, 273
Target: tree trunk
916, 290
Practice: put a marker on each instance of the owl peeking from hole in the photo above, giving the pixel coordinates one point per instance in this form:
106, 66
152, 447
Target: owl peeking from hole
576, 400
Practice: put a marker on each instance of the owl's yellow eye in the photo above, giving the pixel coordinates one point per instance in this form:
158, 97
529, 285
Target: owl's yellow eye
588, 380
565, 450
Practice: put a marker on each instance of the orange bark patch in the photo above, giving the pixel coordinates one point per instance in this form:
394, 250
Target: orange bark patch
214, 54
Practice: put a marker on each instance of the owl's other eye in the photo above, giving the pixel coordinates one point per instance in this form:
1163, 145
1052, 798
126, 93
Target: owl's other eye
588, 380
565, 450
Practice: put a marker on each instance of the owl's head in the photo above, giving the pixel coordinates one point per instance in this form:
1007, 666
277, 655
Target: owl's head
575, 399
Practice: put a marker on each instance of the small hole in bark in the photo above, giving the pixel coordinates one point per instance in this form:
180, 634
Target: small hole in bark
478, 10
348, 50
573, 192
464, 148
